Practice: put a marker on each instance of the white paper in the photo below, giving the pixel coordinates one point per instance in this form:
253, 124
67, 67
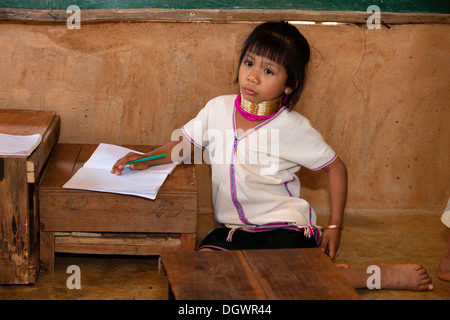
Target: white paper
95, 175
18, 145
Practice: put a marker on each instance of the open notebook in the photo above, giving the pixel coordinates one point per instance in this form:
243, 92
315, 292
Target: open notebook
95, 175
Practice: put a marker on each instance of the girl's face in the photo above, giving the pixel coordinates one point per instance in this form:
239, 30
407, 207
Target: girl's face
261, 79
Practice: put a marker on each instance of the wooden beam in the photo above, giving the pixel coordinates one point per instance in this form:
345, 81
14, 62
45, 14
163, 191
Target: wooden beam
218, 16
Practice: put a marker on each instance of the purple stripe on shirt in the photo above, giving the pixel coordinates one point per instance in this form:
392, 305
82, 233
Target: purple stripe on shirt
286, 186
233, 188
191, 139
324, 165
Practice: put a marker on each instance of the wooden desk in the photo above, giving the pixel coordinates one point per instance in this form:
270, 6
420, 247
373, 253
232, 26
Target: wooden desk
282, 274
127, 224
19, 176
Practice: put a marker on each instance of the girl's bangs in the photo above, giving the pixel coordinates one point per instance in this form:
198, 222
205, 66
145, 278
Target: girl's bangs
272, 49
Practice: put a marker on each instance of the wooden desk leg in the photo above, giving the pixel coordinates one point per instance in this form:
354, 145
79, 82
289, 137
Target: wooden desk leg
188, 241
47, 251
14, 221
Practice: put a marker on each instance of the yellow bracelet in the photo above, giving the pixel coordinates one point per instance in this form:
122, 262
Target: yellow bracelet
332, 226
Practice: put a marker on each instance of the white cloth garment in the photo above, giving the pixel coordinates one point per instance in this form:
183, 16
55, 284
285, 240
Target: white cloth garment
253, 173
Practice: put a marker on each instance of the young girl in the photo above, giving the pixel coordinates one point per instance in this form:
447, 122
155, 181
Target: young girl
256, 143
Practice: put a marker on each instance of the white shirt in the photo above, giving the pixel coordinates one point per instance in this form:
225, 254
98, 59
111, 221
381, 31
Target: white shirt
253, 173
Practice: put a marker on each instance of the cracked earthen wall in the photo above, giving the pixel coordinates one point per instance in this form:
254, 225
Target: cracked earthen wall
379, 97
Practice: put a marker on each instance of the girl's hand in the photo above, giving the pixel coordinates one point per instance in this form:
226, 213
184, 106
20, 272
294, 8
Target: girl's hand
330, 242
120, 164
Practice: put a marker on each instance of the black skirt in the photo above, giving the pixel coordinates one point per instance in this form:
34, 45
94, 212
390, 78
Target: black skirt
219, 239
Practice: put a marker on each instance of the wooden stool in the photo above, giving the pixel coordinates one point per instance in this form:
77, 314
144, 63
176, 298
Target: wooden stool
81, 221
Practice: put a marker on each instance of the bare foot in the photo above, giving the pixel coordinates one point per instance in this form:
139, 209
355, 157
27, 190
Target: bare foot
443, 271
392, 276
405, 276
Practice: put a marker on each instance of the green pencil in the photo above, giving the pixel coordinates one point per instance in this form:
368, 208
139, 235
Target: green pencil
146, 159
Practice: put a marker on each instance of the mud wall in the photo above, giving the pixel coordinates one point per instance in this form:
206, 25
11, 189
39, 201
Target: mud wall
379, 97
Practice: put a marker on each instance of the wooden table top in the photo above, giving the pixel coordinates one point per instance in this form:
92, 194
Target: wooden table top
68, 158
25, 122
281, 274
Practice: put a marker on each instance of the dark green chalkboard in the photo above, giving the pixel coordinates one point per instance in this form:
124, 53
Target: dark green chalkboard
399, 6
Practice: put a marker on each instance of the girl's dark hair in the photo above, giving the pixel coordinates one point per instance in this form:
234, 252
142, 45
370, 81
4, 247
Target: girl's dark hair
283, 43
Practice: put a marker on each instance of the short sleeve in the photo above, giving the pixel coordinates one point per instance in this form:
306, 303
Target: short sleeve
195, 128
304, 145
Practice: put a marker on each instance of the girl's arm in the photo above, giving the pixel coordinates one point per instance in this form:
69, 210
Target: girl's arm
337, 188
182, 145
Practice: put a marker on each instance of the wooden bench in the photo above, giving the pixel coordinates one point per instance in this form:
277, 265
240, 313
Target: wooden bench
281, 274
81, 221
